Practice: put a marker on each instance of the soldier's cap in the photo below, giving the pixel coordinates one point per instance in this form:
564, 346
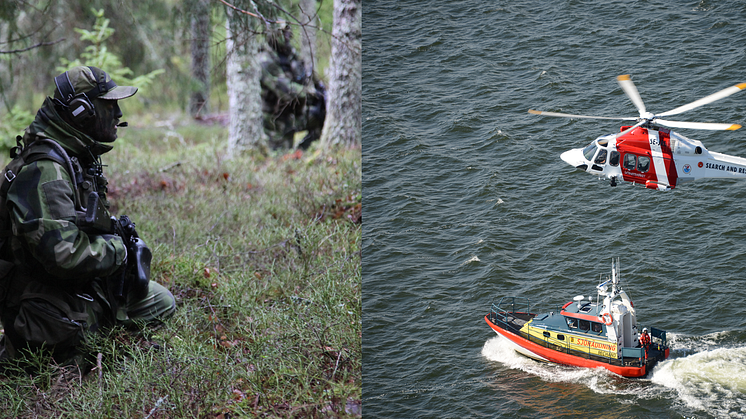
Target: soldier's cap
91, 81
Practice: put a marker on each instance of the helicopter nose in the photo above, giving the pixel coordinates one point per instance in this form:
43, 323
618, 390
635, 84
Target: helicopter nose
574, 158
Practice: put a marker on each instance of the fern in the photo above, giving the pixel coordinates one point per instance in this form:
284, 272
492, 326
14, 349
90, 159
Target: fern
98, 55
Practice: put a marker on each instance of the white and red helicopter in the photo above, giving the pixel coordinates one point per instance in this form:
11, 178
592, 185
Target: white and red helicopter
655, 157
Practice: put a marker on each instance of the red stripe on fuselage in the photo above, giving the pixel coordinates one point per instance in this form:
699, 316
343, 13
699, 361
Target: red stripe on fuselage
637, 142
665, 144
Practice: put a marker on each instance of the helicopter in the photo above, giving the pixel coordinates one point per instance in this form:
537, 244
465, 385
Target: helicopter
646, 153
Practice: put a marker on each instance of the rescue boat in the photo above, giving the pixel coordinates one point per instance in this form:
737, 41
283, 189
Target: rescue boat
583, 333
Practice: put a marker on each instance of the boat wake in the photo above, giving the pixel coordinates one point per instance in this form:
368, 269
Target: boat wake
713, 380
599, 380
701, 378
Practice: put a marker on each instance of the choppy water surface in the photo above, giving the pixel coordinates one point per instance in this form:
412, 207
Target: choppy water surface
466, 200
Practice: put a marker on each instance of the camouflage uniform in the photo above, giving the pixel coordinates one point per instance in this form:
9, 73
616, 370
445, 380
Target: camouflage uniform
62, 267
291, 100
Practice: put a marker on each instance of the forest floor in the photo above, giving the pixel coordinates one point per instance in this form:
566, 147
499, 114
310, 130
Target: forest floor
263, 255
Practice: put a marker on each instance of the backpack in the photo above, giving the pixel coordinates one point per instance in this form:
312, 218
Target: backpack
45, 316
39, 149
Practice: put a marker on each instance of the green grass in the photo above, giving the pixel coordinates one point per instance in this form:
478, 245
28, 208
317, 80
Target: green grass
263, 256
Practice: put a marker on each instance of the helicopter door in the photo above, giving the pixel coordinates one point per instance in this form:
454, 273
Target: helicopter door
636, 163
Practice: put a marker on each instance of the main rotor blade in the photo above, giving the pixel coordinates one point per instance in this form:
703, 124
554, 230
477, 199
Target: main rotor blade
567, 115
630, 128
697, 125
629, 88
705, 100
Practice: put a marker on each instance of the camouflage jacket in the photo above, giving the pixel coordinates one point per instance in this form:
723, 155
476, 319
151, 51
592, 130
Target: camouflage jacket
280, 86
47, 237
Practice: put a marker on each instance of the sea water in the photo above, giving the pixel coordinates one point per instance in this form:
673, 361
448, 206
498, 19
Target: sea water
466, 200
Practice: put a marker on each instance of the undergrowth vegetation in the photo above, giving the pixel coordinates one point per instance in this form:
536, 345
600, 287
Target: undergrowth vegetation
263, 257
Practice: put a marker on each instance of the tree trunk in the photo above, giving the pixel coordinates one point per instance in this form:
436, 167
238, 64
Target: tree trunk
310, 20
245, 129
344, 115
200, 98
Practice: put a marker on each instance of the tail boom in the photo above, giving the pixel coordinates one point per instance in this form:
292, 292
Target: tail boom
720, 165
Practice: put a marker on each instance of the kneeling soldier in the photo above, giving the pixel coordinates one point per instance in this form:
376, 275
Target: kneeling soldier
67, 267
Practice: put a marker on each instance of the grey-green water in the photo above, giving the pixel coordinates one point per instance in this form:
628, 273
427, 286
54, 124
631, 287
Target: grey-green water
466, 200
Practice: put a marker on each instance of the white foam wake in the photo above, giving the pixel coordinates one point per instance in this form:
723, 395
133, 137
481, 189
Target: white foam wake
502, 350
712, 380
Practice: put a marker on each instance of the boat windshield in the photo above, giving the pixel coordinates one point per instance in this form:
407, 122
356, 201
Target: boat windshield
589, 151
584, 325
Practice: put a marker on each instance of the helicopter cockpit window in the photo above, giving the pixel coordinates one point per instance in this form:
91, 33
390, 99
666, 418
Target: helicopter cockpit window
614, 158
589, 151
601, 158
630, 161
643, 164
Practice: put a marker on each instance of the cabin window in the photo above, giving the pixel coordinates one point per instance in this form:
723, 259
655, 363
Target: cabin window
643, 164
589, 151
547, 335
561, 337
596, 327
585, 325
572, 323
614, 158
630, 161
601, 158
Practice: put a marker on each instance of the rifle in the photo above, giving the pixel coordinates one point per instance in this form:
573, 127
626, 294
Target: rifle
136, 275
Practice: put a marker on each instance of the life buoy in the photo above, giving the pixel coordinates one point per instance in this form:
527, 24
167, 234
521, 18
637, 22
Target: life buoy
607, 319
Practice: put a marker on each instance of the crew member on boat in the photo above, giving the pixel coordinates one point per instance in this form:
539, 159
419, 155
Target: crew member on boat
645, 340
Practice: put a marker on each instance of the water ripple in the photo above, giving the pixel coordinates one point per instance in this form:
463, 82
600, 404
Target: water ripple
466, 200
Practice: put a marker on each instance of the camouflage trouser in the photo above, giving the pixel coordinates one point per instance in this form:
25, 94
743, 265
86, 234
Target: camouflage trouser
48, 317
158, 305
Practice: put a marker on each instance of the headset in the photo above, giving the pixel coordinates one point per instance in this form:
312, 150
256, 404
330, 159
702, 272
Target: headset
80, 106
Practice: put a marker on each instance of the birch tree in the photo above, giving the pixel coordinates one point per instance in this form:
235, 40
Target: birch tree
245, 129
343, 125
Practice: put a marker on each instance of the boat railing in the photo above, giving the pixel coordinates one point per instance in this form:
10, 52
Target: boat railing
633, 356
511, 305
508, 310
658, 334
